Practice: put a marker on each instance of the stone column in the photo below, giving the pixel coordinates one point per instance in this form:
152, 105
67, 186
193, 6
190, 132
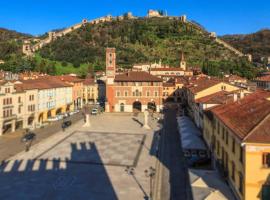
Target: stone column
146, 126
1, 127
25, 122
13, 125
87, 121
81, 102
107, 107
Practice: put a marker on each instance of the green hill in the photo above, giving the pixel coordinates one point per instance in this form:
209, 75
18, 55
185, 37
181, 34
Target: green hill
11, 43
136, 41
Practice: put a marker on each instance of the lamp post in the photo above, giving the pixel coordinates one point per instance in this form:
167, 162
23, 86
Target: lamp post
151, 172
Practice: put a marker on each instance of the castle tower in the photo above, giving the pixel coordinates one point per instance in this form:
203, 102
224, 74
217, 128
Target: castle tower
51, 35
26, 48
183, 18
110, 65
183, 64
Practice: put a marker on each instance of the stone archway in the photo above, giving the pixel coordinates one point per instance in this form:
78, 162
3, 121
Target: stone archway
137, 106
49, 114
40, 118
58, 111
151, 106
30, 120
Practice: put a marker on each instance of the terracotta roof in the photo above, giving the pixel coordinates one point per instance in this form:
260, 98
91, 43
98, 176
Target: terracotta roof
236, 77
246, 117
264, 78
133, 76
69, 78
41, 83
89, 81
167, 69
202, 84
216, 98
168, 84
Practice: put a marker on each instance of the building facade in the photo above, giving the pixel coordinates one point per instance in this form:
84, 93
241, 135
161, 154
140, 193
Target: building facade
263, 82
131, 91
18, 107
90, 90
77, 89
53, 96
238, 135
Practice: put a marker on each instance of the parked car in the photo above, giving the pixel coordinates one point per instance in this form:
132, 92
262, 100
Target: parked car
59, 117
52, 119
74, 112
94, 111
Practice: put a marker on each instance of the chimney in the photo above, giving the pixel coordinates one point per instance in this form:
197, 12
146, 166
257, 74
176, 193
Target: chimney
242, 95
235, 97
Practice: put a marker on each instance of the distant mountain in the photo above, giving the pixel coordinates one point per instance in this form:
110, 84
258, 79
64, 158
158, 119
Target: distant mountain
11, 42
257, 44
7, 35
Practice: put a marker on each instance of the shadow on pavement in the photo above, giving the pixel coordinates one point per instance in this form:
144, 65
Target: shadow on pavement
166, 146
56, 178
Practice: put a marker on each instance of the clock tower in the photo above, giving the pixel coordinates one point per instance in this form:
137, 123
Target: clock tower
110, 65
183, 63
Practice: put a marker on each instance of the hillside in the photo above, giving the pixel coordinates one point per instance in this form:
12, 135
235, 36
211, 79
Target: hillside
11, 43
136, 41
256, 44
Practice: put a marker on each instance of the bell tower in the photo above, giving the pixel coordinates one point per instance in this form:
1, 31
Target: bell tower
183, 64
110, 65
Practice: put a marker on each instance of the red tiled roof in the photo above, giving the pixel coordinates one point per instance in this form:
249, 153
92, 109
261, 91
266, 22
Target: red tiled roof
168, 84
202, 84
264, 78
133, 76
41, 83
167, 69
89, 81
69, 78
216, 98
246, 116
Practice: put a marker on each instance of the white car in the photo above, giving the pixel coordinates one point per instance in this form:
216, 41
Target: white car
74, 112
52, 119
94, 111
59, 117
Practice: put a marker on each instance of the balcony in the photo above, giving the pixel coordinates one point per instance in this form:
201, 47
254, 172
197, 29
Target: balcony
8, 106
13, 116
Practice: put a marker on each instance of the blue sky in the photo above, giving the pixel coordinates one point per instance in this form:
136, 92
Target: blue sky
221, 16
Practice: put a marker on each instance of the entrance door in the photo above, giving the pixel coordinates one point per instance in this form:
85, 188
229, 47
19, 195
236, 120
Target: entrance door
122, 107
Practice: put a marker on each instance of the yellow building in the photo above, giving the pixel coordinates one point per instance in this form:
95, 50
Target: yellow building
54, 96
238, 134
18, 107
199, 87
172, 89
90, 90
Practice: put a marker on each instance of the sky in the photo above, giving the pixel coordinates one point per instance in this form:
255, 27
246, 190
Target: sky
221, 16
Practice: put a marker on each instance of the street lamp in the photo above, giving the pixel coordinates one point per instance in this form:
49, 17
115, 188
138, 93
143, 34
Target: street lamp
151, 172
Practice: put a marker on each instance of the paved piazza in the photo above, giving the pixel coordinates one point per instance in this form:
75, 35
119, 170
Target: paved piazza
84, 163
97, 148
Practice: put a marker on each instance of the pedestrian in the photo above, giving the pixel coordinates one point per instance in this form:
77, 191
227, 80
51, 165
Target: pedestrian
63, 127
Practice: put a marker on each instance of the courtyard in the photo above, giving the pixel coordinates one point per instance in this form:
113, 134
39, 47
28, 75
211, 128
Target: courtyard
85, 163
